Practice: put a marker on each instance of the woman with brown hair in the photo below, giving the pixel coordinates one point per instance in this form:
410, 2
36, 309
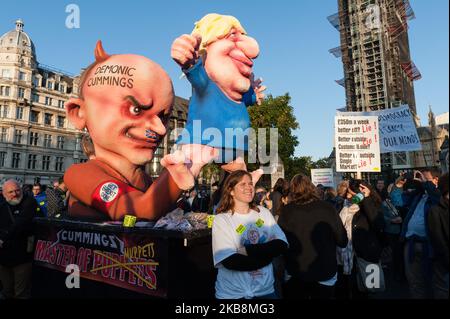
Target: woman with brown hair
314, 231
245, 240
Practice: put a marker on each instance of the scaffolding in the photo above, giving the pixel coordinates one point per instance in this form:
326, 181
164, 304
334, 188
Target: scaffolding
411, 71
334, 20
336, 52
375, 57
341, 82
399, 22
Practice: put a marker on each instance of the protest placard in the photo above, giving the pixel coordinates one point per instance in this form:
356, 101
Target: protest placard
398, 132
357, 144
322, 176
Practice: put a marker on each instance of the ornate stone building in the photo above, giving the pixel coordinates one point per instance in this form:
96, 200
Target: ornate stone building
36, 140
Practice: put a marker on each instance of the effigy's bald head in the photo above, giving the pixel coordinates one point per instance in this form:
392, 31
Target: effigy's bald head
123, 74
125, 104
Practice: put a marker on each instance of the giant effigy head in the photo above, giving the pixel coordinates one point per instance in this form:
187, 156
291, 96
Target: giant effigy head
125, 101
228, 52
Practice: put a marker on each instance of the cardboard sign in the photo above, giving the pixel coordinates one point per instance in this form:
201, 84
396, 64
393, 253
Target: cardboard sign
398, 132
323, 176
357, 144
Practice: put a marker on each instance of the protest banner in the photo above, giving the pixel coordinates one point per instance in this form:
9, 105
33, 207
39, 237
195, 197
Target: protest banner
322, 176
398, 132
357, 144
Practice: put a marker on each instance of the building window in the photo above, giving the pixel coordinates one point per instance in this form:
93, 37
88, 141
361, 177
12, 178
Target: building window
6, 73
18, 136
35, 81
3, 134
48, 100
32, 161
34, 138
4, 90
16, 160
62, 88
19, 113
61, 120
34, 116
59, 164
60, 104
45, 163
2, 159
22, 76
21, 93
60, 142
48, 119
49, 85
4, 111
47, 141
35, 98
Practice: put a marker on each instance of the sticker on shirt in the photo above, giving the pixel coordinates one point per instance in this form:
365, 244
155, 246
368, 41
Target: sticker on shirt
260, 222
254, 236
108, 192
240, 229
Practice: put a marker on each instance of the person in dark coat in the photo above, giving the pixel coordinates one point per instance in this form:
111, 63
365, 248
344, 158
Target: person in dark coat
364, 222
16, 241
314, 231
418, 251
438, 222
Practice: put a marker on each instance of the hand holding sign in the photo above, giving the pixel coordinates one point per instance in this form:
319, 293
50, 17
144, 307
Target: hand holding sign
365, 190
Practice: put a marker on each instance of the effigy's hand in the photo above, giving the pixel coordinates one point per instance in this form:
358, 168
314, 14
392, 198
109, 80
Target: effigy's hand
256, 175
176, 166
239, 165
197, 156
258, 88
184, 50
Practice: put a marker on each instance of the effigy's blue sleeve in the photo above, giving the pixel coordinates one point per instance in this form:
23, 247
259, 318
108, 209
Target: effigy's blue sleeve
249, 98
198, 77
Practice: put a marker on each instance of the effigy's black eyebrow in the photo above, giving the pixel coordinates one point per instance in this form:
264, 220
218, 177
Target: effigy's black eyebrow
136, 103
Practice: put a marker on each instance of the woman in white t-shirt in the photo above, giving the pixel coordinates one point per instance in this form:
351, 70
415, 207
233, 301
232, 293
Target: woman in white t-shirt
245, 240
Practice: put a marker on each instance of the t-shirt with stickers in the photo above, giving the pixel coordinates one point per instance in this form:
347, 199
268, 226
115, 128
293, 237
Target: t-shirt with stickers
231, 232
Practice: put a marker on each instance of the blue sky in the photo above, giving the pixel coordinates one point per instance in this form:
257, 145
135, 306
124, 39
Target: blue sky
294, 38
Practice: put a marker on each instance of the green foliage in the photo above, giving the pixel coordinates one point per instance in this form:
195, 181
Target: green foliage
303, 165
276, 112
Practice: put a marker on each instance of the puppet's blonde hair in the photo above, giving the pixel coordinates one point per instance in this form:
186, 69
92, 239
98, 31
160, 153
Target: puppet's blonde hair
215, 26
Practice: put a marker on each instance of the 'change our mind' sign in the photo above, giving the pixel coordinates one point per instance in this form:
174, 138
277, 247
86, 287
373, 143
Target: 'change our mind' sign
398, 132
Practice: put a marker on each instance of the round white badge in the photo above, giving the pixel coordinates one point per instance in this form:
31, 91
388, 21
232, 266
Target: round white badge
109, 191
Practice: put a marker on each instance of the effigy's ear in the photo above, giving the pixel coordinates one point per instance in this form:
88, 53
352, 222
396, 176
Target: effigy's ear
76, 112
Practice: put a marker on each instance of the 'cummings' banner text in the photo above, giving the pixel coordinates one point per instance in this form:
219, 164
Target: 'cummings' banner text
129, 261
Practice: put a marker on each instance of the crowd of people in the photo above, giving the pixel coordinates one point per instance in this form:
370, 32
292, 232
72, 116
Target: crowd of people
326, 244
296, 240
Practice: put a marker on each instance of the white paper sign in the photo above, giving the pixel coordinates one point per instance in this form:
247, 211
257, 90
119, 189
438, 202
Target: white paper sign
398, 132
322, 176
357, 144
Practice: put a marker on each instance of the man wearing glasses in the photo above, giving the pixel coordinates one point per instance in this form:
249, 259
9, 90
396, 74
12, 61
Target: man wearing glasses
16, 241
